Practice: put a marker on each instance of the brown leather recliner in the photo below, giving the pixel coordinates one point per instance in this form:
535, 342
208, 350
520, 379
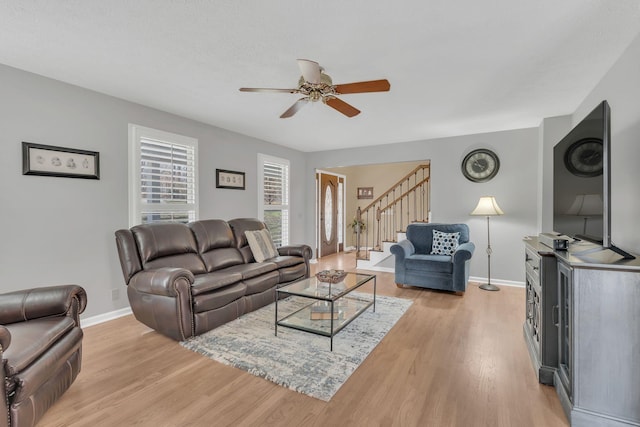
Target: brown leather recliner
40, 350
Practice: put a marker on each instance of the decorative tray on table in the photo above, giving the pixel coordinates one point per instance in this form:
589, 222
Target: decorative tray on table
331, 276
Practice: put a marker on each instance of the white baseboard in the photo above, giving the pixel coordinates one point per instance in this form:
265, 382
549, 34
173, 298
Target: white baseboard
497, 281
105, 317
471, 278
376, 268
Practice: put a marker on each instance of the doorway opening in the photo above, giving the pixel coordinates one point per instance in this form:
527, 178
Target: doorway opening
330, 198
360, 208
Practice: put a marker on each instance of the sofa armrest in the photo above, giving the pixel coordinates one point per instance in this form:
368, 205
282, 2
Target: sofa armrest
5, 339
29, 304
303, 251
403, 249
461, 266
161, 299
463, 252
161, 281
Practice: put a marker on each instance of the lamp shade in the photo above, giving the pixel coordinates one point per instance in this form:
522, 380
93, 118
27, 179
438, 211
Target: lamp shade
487, 206
586, 205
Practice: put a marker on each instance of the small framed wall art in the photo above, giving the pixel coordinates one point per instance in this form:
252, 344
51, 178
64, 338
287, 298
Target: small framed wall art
365, 192
48, 160
229, 179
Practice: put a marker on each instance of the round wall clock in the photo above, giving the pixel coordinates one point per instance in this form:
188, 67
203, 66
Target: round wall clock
584, 157
480, 165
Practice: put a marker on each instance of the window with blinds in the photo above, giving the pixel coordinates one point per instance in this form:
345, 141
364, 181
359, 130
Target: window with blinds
163, 174
274, 197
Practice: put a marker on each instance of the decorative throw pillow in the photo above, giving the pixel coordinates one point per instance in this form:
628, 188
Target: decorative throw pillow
261, 244
444, 243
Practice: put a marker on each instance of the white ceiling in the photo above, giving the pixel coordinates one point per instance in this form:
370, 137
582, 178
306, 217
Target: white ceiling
456, 66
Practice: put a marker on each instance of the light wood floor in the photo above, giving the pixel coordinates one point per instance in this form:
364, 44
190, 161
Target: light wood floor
449, 361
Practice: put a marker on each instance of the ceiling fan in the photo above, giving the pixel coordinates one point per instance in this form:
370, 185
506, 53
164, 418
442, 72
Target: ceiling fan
315, 85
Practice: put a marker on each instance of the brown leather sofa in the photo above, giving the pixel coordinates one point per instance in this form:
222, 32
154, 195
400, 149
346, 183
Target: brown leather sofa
184, 280
40, 350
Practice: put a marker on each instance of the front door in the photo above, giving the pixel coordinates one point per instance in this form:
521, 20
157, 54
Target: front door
328, 214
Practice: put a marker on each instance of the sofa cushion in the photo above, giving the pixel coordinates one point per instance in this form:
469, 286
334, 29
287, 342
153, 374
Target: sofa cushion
261, 244
31, 380
216, 244
262, 283
239, 226
168, 245
191, 262
210, 319
218, 259
208, 282
444, 243
212, 234
286, 260
218, 298
429, 263
252, 269
29, 340
291, 273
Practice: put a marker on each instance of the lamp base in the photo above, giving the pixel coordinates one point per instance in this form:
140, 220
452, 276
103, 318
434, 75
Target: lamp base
489, 287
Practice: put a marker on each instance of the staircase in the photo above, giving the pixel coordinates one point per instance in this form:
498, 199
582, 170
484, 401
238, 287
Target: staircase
387, 217
380, 260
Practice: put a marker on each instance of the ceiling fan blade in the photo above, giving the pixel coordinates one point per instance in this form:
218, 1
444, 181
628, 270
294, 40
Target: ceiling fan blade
265, 89
295, 107
341, 106
360, 87
310, 70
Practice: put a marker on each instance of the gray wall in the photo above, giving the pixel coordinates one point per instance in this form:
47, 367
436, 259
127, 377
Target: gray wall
60, 230
621, 88
453, 197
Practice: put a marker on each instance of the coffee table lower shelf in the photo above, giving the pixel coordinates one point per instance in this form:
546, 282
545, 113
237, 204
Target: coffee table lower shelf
347, 308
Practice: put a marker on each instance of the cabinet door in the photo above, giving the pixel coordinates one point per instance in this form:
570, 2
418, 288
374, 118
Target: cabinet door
533, 313
565, 325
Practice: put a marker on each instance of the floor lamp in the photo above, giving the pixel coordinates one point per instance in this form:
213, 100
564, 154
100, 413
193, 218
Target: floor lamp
487, 206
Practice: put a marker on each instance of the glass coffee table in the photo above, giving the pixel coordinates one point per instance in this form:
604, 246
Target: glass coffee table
328, 307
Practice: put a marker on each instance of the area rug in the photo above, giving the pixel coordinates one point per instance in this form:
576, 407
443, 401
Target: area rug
297, 360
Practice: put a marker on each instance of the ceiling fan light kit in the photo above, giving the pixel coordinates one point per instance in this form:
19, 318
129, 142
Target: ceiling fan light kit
315, 85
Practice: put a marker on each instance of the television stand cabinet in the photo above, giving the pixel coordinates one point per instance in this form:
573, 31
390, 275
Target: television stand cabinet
540, 330
595, 318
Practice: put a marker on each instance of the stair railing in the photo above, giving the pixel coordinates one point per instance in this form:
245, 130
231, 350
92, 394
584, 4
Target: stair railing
392, 211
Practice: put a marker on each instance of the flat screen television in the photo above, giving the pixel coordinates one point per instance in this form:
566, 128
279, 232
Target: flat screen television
582, 179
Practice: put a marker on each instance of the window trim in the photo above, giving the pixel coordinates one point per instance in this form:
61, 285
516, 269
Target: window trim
136, 133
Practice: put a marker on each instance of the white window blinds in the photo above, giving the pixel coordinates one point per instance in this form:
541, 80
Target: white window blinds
164, 177
274, 197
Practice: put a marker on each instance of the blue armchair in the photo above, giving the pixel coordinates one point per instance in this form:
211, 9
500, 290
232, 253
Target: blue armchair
416, 265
